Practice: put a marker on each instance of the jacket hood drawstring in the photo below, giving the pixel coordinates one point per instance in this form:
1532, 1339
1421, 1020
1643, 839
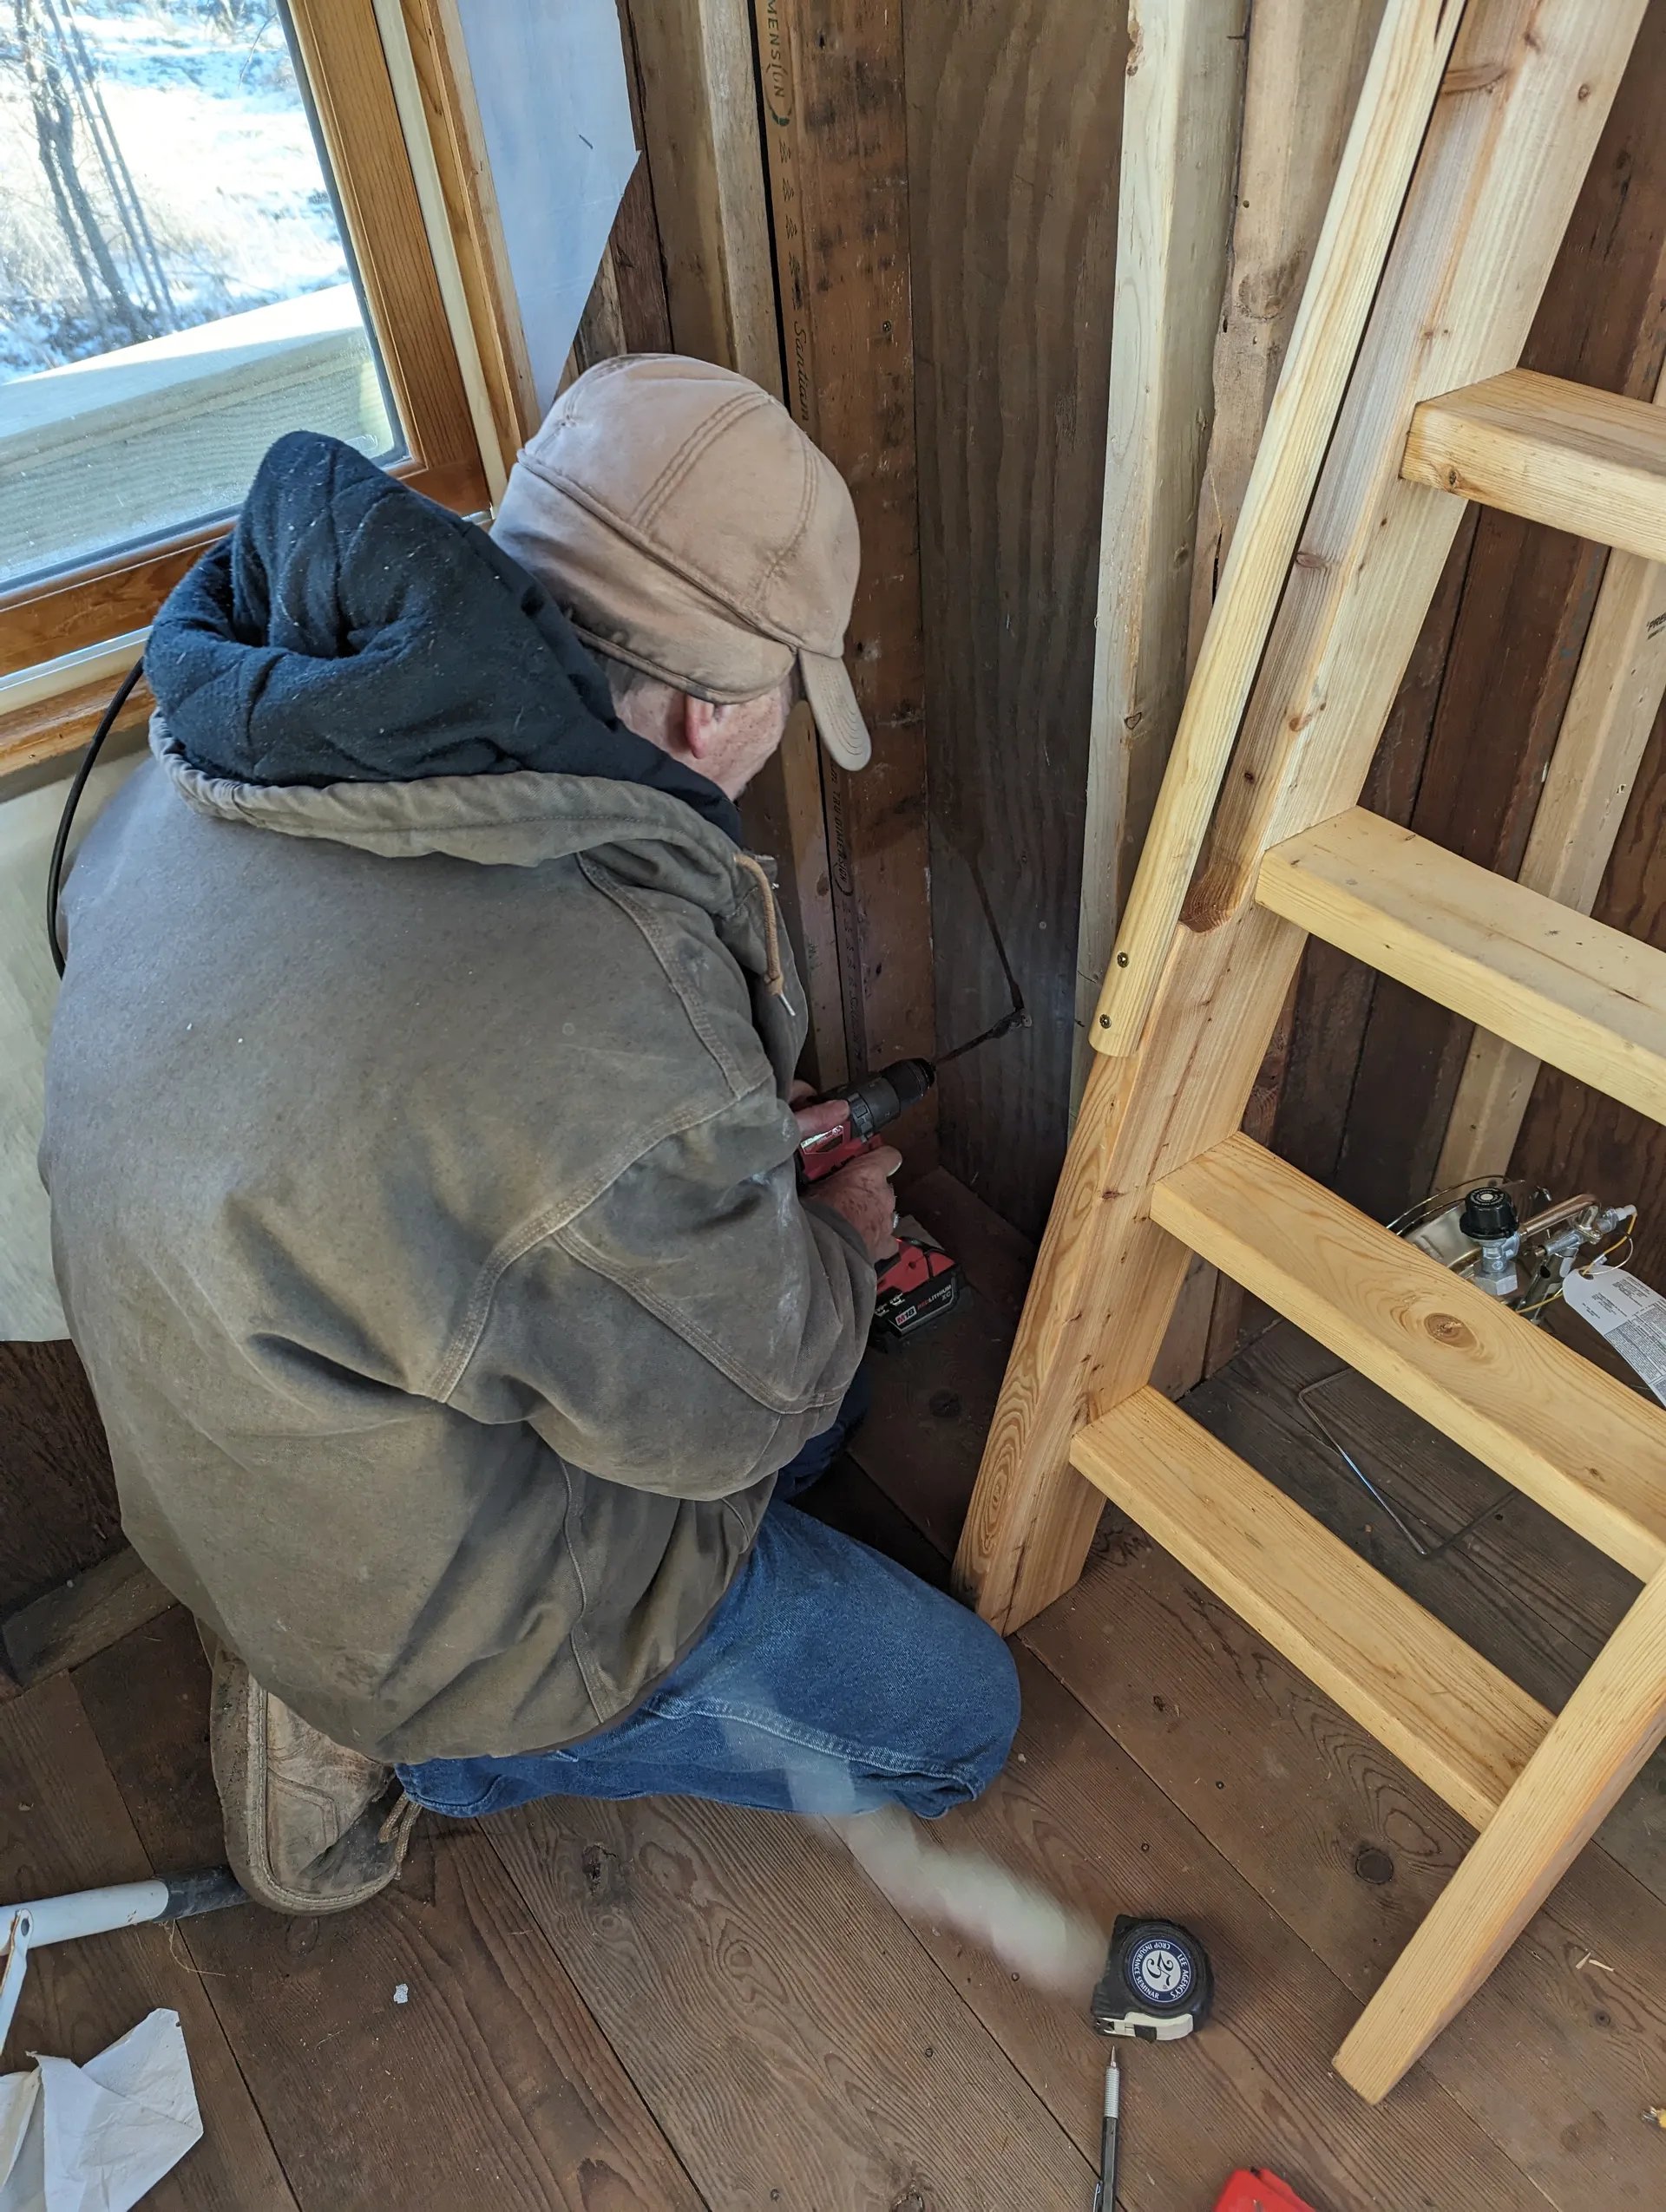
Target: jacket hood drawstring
774, 975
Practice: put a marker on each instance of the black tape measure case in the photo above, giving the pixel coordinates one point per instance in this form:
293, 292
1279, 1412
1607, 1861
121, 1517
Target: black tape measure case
1158, 1983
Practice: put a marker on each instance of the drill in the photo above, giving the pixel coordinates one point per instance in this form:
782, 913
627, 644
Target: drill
919, 1284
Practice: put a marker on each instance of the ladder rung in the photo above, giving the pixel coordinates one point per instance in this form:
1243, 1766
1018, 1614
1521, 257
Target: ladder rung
1440, 1707
1587, 999
1580, 459
1579, 1442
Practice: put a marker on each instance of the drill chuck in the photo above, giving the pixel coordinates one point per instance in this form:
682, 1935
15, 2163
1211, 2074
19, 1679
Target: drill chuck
878, 1099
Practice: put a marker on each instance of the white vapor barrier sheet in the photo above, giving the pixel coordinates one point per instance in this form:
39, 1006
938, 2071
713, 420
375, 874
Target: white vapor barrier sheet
29, 1310
549, 82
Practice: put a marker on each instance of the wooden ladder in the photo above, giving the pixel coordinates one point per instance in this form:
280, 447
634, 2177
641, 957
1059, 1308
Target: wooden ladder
1399, 402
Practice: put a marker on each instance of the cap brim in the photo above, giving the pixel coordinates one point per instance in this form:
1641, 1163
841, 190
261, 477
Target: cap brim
833, 702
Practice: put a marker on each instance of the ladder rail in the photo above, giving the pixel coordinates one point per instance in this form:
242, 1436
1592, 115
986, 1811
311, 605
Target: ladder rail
1180, 1036
1396, 100
1596, 1745
1526, 95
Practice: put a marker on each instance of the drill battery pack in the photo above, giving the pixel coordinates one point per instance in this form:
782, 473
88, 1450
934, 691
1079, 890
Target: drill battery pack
917, 1286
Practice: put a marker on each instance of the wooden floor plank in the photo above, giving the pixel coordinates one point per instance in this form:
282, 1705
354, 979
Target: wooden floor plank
1521, 1588
792, 2040
1554, 2057
490, 2084
63, 1828
64, 1625
1546, 1599
1254, 2088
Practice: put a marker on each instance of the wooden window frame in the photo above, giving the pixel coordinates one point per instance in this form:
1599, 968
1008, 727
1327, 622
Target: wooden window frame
352, 94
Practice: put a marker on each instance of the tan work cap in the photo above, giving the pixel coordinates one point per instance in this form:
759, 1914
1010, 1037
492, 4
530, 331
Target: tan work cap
691, 530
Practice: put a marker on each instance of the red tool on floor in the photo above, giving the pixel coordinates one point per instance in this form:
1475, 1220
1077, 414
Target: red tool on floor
1258, 2191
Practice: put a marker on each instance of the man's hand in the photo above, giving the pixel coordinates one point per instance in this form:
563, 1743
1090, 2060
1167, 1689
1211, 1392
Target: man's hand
817, 1115
860, 1193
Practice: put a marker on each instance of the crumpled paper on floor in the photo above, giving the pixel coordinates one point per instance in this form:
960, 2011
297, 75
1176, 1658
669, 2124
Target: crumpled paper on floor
94, 2138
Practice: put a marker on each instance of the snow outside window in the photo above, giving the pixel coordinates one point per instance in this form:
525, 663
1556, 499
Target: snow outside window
176, 289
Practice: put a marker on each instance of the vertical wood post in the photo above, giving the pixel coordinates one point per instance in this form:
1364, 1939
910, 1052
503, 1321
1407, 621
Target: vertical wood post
835, 140
1180, 122
696, 90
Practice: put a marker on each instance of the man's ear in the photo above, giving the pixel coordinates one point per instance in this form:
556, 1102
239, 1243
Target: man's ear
699, 727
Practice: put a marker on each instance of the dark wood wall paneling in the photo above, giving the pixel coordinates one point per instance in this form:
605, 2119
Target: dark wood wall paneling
835, 139
1014, 140
1372, 1068
57, 1496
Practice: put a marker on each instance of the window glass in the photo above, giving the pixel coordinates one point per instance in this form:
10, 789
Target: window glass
176, 289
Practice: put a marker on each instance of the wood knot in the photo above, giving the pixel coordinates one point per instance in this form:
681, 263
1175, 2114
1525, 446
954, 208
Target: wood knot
1373, 1865
1446, 1328
602, 1872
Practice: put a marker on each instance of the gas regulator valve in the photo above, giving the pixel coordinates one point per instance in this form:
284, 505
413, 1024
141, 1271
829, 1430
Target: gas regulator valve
1488, 1217
1513, 1240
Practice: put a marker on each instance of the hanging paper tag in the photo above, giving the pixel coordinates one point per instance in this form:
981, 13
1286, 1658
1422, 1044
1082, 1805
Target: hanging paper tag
1631, 1315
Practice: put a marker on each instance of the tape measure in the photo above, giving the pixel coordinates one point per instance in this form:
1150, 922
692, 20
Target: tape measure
1157, 1983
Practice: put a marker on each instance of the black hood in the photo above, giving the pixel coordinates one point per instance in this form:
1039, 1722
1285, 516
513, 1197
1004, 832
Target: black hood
351, 631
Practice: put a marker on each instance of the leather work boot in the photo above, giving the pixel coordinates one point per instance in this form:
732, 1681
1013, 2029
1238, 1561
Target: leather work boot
311, 1827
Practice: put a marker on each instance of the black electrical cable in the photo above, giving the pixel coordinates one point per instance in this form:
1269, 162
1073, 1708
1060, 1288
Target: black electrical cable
60, 842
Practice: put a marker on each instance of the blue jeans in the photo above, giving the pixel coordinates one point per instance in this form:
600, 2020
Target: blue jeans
829, 1680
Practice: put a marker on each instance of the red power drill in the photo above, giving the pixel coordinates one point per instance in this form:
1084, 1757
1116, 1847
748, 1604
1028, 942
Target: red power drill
920, 1283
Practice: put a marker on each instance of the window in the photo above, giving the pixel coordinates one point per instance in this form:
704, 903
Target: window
210, 234
178, 289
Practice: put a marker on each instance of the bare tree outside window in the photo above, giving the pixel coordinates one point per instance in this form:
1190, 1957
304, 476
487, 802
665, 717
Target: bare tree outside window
41, 56
175, 286
123, 220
